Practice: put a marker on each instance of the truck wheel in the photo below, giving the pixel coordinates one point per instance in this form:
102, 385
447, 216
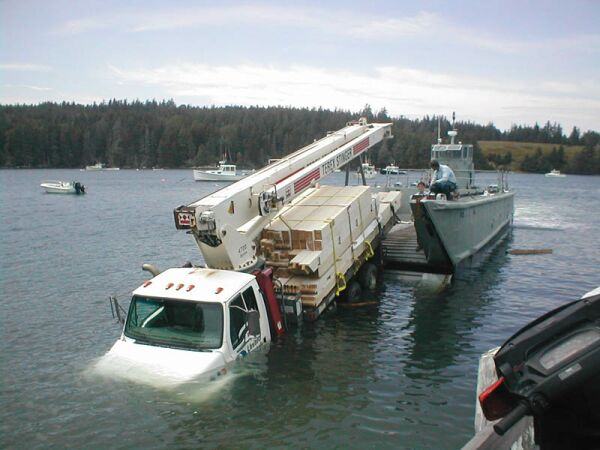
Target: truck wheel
352, 292
368, 276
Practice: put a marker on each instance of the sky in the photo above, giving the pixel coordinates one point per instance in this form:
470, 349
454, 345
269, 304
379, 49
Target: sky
506, 62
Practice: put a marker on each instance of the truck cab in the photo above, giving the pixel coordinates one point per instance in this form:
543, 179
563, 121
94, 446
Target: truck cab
188, 322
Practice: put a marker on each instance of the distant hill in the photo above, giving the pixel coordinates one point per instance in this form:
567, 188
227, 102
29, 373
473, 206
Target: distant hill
521, 152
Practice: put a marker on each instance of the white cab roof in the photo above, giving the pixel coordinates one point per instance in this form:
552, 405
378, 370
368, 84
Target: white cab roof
195, 284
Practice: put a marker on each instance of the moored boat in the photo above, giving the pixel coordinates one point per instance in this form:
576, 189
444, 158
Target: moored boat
63, 187
95, 167
392, 169
100, 166
555, 174
368, 170
225, 172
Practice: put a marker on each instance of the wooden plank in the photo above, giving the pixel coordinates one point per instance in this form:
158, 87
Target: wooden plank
532, 251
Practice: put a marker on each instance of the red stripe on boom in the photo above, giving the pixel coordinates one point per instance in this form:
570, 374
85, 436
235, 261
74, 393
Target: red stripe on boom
360, 146
301, 183
287, 176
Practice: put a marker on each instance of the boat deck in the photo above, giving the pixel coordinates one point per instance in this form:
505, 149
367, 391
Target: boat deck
399, 250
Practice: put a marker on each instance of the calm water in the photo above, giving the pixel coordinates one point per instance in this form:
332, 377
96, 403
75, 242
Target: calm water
399, 374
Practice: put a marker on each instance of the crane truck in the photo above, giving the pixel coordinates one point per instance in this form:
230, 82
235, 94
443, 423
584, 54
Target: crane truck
278, 248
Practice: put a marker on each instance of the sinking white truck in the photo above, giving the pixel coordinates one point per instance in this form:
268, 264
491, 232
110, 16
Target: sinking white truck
278, 249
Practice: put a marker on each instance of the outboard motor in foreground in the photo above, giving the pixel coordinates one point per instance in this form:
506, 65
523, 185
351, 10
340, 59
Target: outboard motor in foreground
551, 369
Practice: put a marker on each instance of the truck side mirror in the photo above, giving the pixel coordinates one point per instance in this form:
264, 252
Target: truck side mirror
253, 321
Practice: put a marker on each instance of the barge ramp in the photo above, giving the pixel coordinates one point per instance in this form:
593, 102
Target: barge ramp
399, 250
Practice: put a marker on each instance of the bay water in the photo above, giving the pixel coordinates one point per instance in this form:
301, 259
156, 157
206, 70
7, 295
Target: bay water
400, 373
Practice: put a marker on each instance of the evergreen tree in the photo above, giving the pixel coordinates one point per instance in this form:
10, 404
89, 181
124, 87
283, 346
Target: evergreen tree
574, 136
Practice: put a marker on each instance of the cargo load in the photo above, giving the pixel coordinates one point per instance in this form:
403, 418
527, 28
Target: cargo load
314, 241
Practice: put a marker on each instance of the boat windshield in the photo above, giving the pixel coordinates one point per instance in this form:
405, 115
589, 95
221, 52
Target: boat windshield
173, 323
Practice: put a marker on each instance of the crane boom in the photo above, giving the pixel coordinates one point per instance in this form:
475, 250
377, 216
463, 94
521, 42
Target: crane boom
227, 222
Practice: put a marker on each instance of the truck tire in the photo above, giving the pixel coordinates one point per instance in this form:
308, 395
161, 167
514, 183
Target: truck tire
367, 276
352, 292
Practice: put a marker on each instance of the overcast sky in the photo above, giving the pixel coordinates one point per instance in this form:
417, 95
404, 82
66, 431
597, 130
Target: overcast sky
491, 61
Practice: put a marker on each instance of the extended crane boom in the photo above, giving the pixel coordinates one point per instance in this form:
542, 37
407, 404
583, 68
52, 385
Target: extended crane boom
226, 223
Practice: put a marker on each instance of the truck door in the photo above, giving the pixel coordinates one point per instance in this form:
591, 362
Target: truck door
242, 342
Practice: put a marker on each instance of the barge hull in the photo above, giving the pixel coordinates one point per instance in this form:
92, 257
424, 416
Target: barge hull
451, 232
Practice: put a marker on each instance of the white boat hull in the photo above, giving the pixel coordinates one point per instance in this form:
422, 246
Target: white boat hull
58, 190
368, 175
201, 175
100, 167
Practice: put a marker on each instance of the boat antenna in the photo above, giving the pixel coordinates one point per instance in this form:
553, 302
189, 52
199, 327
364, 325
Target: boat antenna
452, 133
439, 141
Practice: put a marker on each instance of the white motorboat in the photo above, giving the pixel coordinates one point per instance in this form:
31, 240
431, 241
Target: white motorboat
392, 169
97, 166
100, 166
555, 173
225, 172
63, 187
369, 170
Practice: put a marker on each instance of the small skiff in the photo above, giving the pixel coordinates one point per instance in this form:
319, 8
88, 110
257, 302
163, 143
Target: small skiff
63, 187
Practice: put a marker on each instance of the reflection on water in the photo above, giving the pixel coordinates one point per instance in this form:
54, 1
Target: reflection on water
399, 373
441, 324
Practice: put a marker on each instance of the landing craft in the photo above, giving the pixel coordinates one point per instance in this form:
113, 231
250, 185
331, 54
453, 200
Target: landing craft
439, 234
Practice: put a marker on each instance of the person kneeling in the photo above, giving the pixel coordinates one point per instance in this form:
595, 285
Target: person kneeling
444, 180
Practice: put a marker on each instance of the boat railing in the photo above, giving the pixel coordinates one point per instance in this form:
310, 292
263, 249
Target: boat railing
464, 177
483, 178
499, 177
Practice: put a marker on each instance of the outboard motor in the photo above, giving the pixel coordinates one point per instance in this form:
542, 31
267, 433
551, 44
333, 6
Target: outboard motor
550, 369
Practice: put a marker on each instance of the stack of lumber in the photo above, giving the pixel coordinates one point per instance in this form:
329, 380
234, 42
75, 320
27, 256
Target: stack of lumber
315, 240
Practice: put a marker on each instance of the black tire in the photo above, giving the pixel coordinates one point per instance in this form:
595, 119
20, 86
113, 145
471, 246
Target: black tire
367, 277
353, 292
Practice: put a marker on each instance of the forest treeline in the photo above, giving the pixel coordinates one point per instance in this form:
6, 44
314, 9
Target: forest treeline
162, 134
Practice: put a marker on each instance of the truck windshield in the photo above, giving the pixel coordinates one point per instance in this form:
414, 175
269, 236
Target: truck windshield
172, 323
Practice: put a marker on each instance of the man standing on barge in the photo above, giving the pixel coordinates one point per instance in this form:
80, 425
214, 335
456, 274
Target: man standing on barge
444, 180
